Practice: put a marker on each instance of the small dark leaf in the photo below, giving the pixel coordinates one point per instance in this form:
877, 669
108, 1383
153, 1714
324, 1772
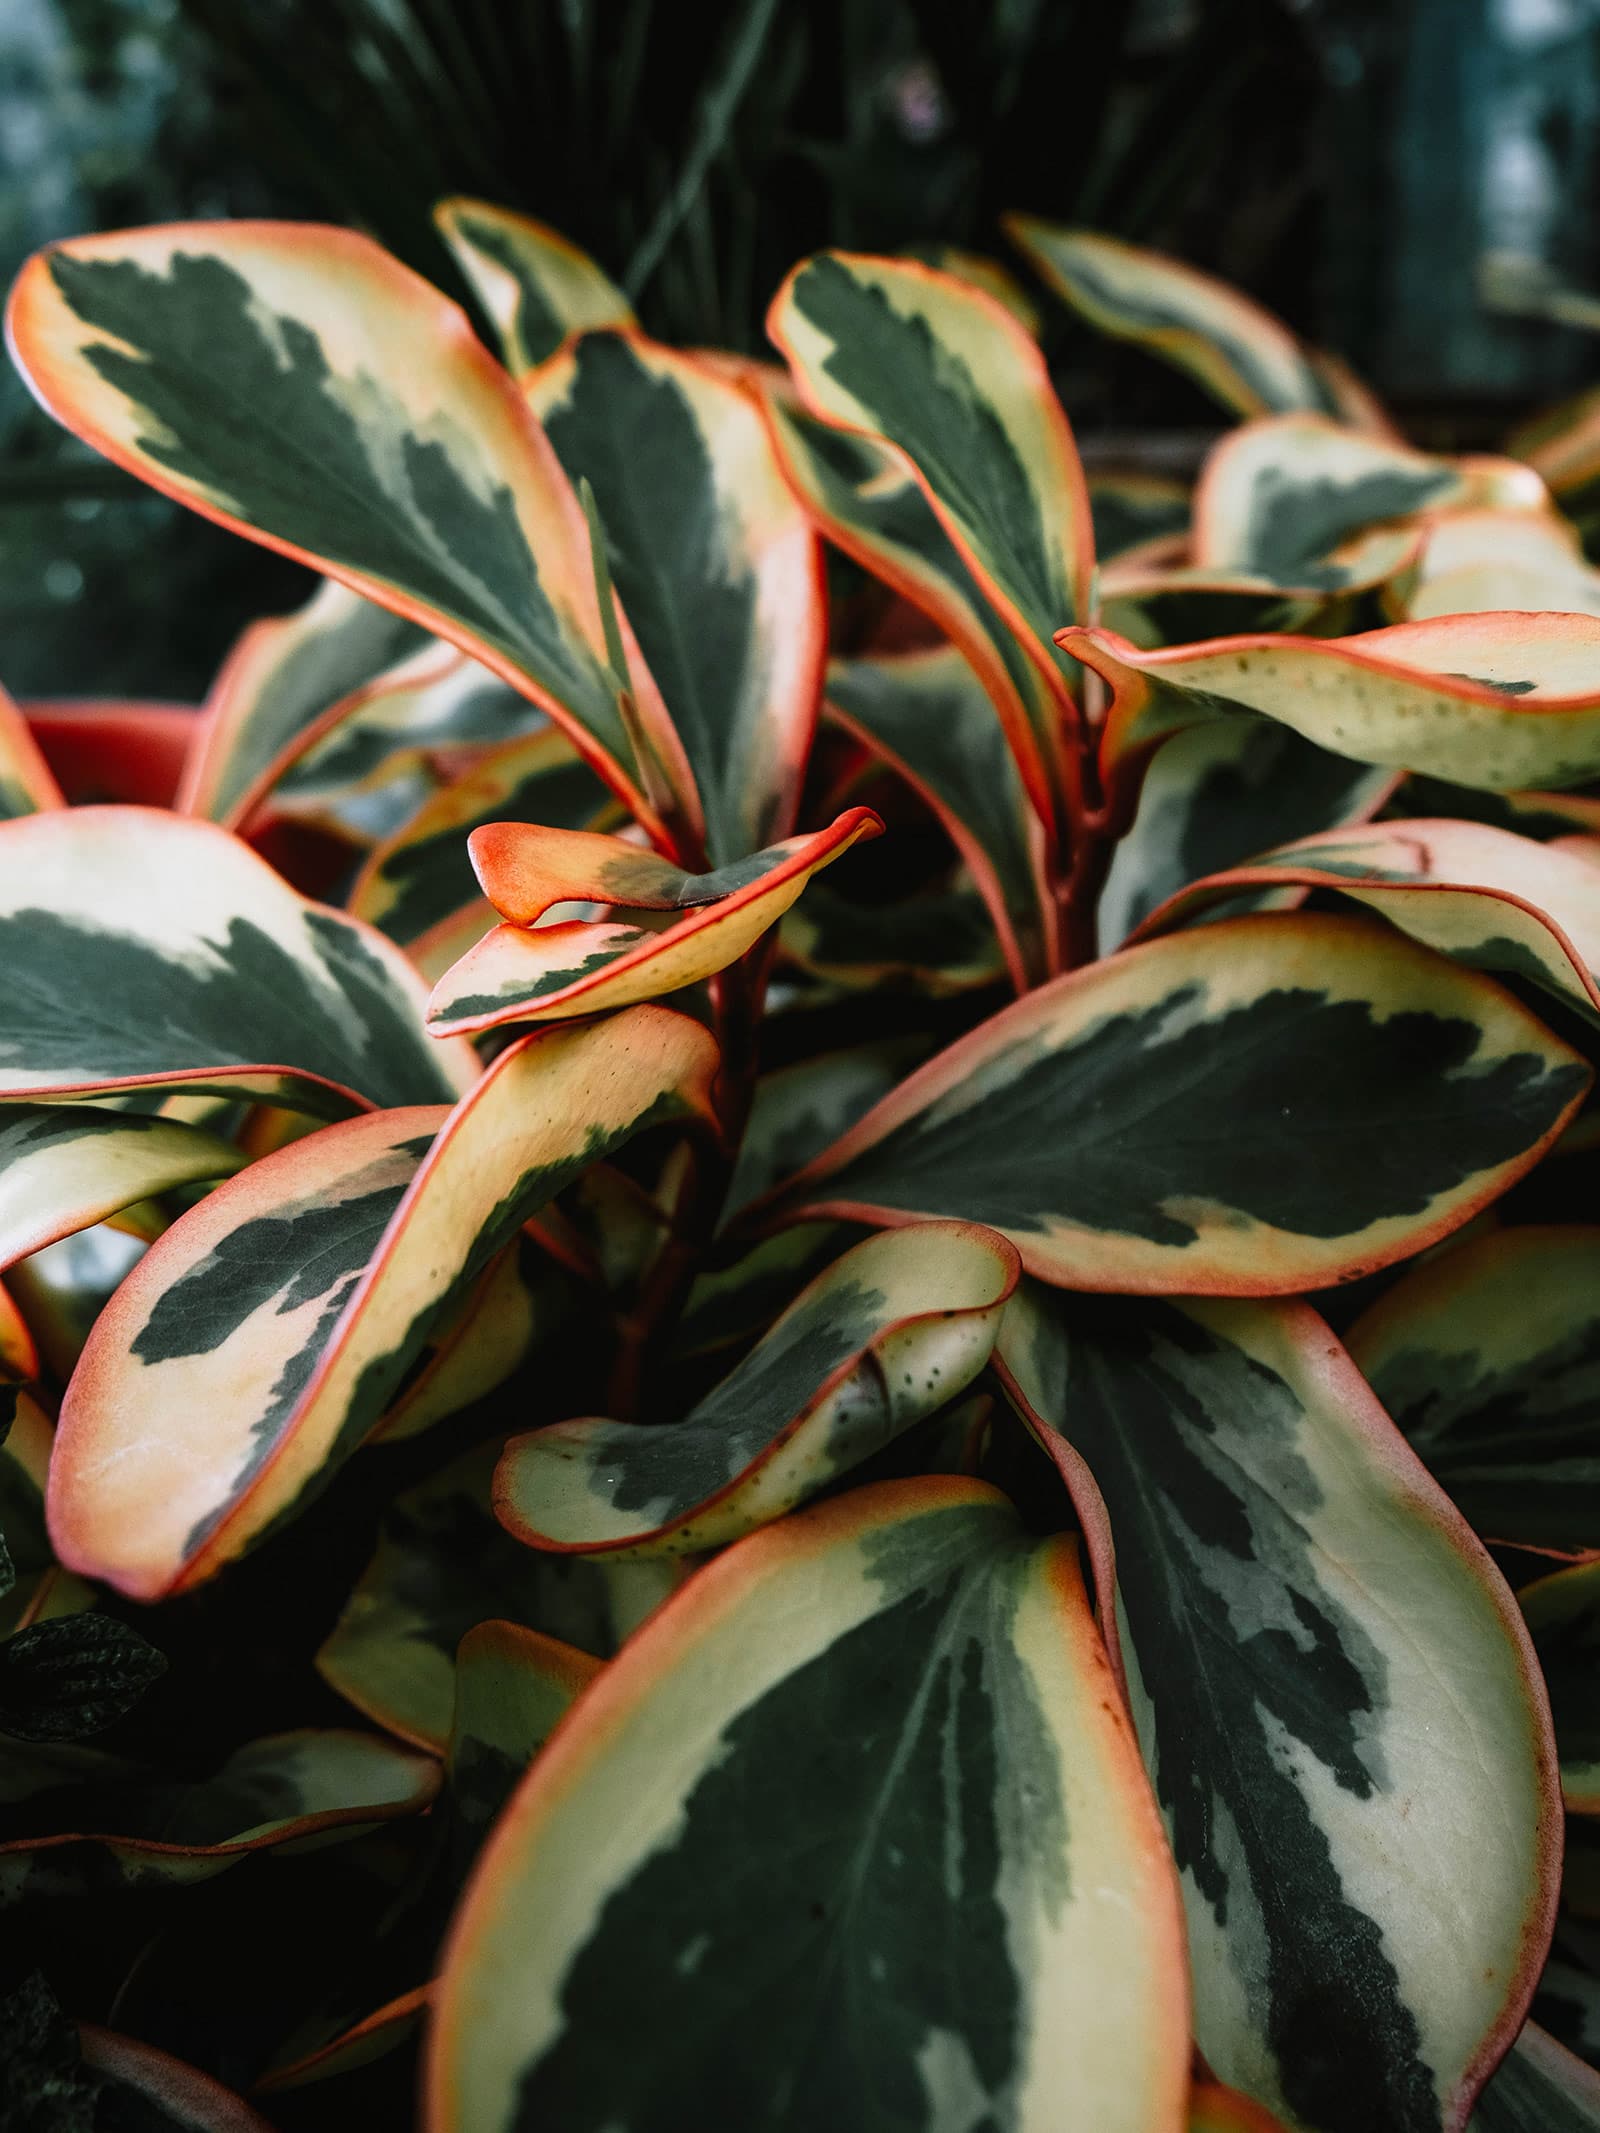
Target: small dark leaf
44, 2085
62, 1680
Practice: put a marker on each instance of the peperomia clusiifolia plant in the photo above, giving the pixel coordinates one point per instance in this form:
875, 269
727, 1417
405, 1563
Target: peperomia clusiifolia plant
811, 1406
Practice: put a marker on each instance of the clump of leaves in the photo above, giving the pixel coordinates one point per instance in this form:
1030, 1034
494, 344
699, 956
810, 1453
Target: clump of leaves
809, 1409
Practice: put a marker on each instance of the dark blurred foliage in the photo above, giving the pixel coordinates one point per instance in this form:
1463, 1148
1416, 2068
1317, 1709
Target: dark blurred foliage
697, 152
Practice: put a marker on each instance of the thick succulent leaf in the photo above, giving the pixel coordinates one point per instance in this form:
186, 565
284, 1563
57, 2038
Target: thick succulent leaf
444, 1565
1497, 701
1156, 603
898, 1326
26, 781
298, 385
1131, 507
715, 563
798, 1110
1097, 1122
927, 715
425, 709
146, 949
1336, 1699
1541, 2087
1562, 443
895, 1715
1474, 562
186, 2100
281, 677
522, 1300
1241, 354
983, 273
1488, 1357
35, 1588
512, 1687
939, 941
1218, 794
869, 503
737, 1301
522, 972
1482, 896
418, 886
273, 1791
65, 1166
1278, 496
266, 1333
1563, 1613
373, 2037
536, 287
948, 377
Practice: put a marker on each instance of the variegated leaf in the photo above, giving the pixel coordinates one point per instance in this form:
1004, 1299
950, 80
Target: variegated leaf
427, 709
1474, 562
1488, 1357
355, 2046
1216, 795
1336, 1699
1097, 1122
738, 1300
714, 561
65, 1166
890, 1332
266, 1333
1499, 701
866, 499
182, 2098
1483, 896
279, 1790
298, 385
536, 286
26, 781
146, 949
525, 972
895, 1713
926, 714
444, 1565
1540, 2088
37, 1589
982, 272
418, 885
1131, 507
280, 677
948, 377
1241, 354
1279, 496
939, 941
796, 1111
1563, 1613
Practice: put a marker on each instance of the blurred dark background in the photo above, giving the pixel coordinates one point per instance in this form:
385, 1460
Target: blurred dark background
1406, 181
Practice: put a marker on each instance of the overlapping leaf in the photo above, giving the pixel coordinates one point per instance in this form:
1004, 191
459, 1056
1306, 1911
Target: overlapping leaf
274, 1791
1240, 353
1309, 1636
1483, 896
1540, 2087
444, 1565
926, 715
1219, 793
300, 386
890, 1332
867, 500
65, 1166
264, 1335
714, 561
1097, 1123
948, 377
144, 949
536, 286
1474, 562
525, 972
1563, 1613
1498, 701
281, 677
894, 1712
1488, 1357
